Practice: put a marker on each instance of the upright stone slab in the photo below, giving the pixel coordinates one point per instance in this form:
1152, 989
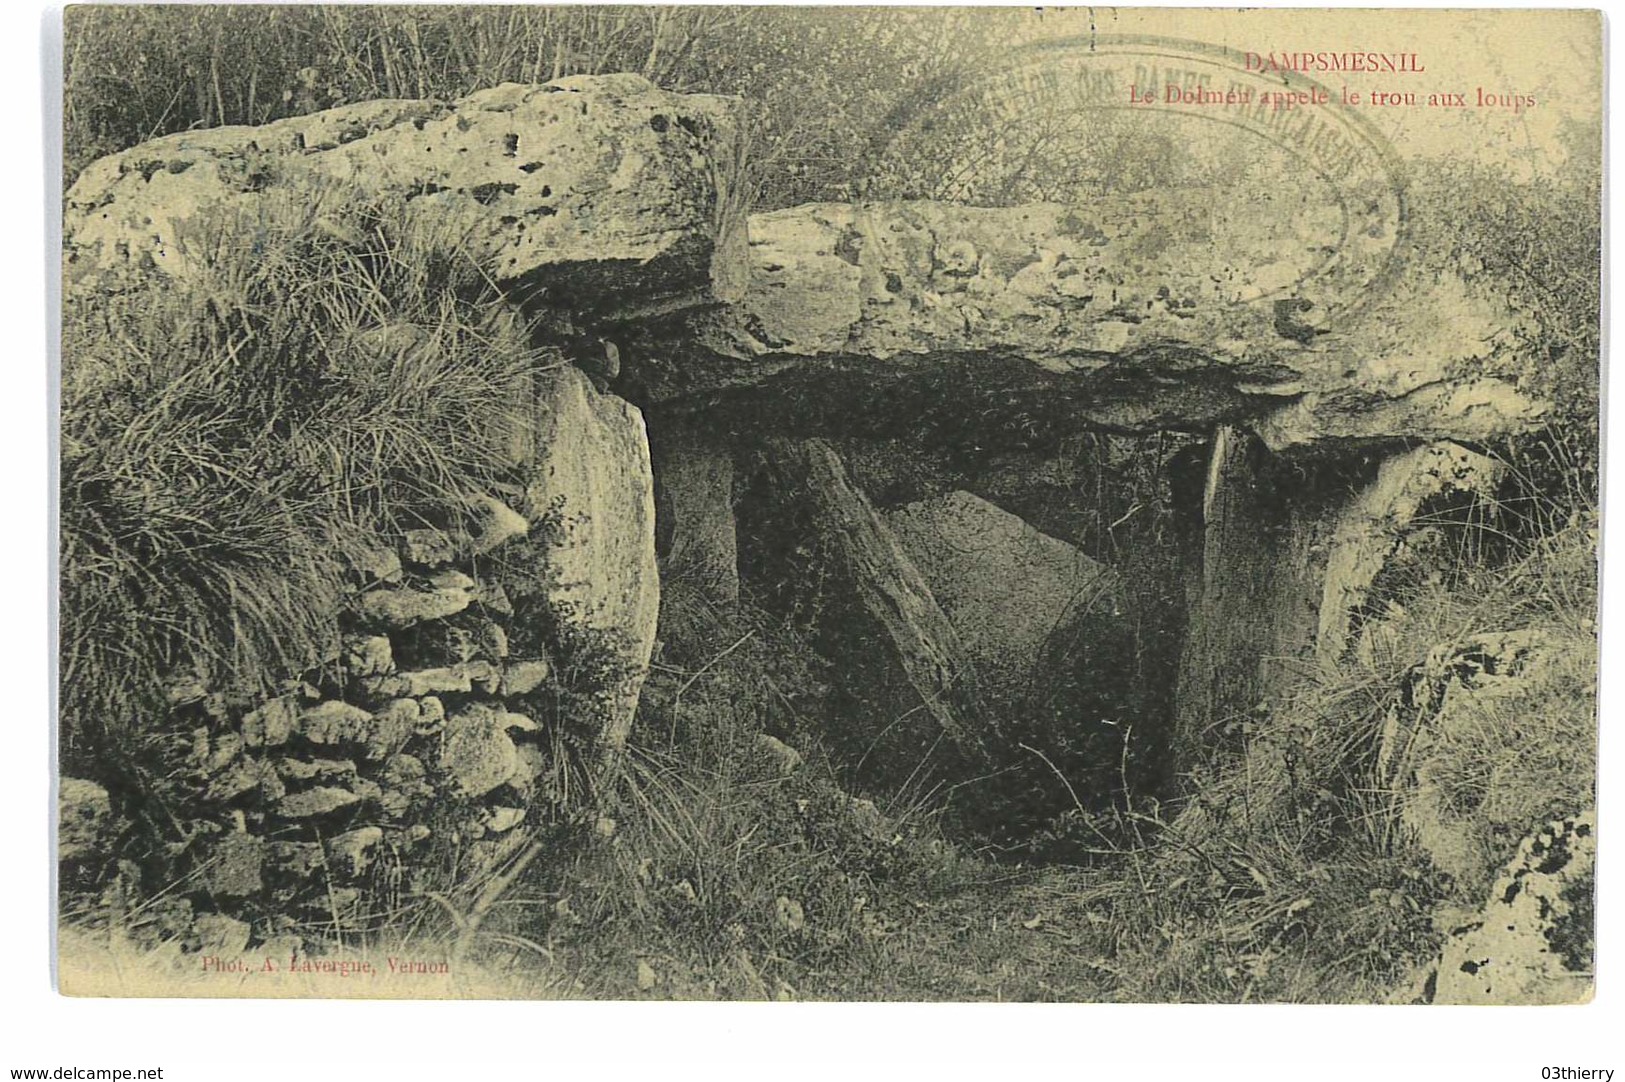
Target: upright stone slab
590, 466
1291, 552
1004, 586
1254, 596
893, 626
1229, 614
1374, 524
697, 536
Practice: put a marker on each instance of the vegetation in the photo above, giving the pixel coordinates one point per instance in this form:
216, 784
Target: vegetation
821, 83
341, 369
721, 873
234, 441
1292, 875
1535, 246
1288, 877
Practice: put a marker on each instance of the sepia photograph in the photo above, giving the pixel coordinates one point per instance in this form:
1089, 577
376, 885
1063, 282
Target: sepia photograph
791, 503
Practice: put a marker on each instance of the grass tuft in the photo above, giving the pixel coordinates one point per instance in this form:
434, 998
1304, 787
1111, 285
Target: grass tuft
233, 438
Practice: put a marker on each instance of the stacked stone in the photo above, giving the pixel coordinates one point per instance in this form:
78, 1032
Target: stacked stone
340, 798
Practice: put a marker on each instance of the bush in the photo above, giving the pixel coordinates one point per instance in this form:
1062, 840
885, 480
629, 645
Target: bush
1290, 874
336, 370
1536, 246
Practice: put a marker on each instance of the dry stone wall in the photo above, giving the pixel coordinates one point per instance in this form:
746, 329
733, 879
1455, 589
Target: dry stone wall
411, 763
486, 678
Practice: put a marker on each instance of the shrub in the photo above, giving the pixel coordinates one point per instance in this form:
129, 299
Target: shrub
1290, 874
336, 369
1536, 246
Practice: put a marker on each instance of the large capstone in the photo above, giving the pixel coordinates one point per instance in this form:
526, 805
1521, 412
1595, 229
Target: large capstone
594, 194
1122, 314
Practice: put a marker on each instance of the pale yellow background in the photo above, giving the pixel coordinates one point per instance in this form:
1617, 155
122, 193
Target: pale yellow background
1554, 55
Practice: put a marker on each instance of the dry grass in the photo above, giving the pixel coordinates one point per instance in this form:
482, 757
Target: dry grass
231, 438
1293, 874
824, 85
727, 873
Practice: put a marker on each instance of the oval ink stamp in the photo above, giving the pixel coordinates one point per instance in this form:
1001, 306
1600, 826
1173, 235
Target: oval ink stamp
1298, 189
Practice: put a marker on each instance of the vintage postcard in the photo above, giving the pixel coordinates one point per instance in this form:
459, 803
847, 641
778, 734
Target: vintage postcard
812, 503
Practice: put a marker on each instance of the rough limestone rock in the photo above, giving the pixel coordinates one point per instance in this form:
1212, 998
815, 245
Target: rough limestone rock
478, 755
428, 548
1286, 555
1445, 702
592, 192
1004, 586
1241, 591
235, 870
495, 525
694, 493
369, 655
271, 724
895, 621
352, 850
85, 821
1126, 311
492, 525
401, 608
1535, 940
242, 777
334, 722
591, 465
1373, 526
523, 677
318, 801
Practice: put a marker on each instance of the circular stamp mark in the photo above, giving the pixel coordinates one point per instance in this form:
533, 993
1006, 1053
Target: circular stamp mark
1302, 194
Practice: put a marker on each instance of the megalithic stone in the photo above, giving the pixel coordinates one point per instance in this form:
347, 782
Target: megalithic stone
591, 195
696, 533
1125, 313
890, 592
1369, 529
1235, 610
588, 473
